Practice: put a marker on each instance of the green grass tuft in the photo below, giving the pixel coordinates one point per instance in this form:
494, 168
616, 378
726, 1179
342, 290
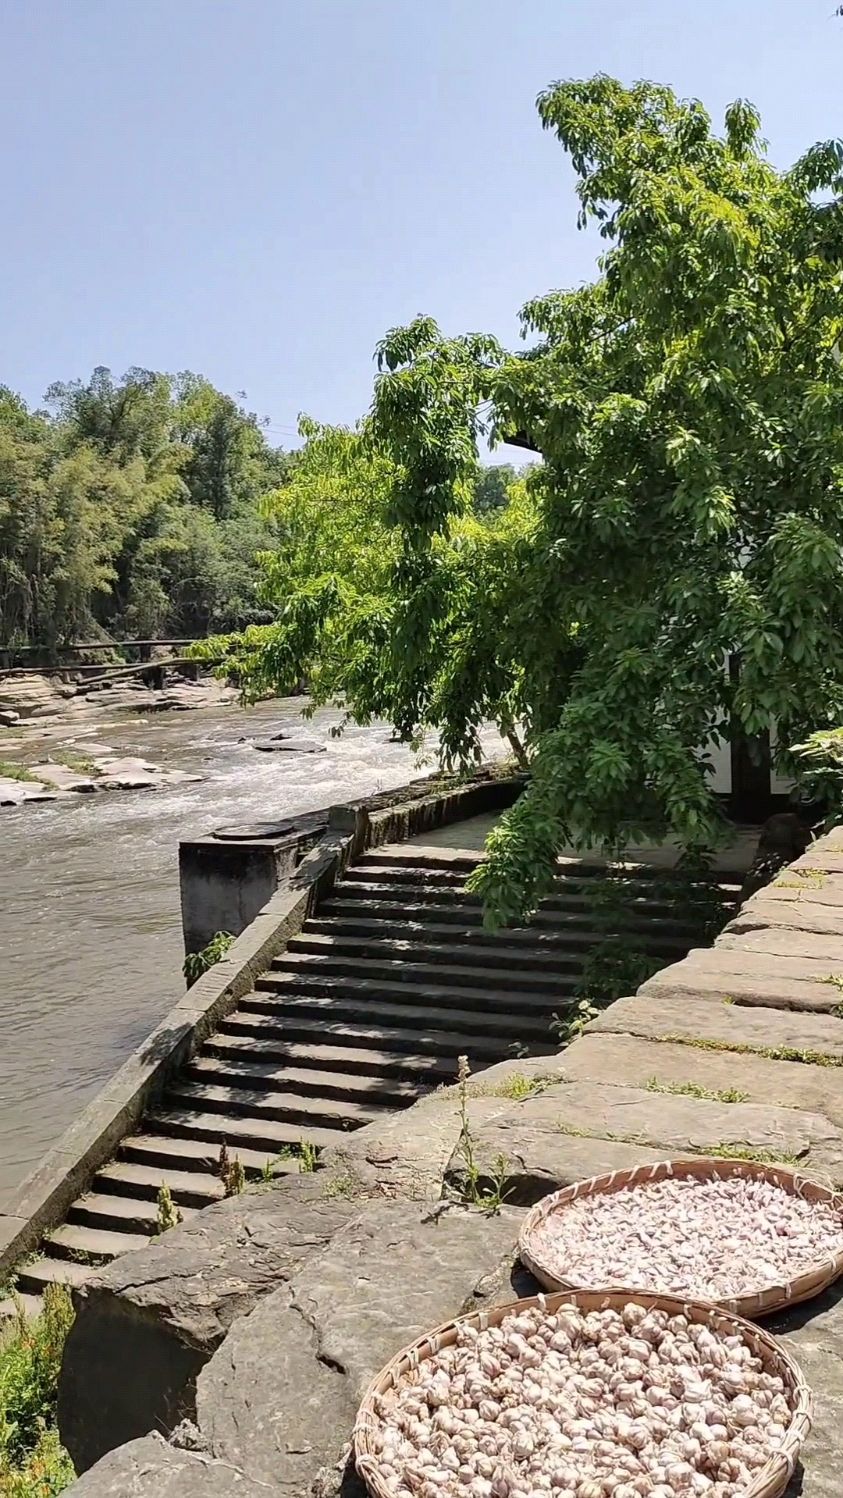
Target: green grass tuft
770, 1053
693, 1089
10, 770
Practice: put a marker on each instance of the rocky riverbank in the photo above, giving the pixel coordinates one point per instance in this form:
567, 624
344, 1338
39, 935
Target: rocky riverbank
33, 701
46, 749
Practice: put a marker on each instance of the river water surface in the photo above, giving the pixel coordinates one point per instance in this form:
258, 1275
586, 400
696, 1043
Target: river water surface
90, 928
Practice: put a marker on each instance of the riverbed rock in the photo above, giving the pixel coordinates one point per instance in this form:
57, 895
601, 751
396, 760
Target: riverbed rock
148, 1323
8, 718
62, 778
16, 792
23, 694
289, 746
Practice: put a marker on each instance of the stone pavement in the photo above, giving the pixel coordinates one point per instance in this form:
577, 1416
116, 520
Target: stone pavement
736, 1050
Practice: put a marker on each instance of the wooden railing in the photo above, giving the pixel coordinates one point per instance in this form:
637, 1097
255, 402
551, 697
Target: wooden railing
15, 659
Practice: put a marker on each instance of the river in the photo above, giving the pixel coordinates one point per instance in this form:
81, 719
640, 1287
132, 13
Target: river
90, 929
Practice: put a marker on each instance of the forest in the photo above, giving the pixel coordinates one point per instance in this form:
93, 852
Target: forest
131, 507
139, 507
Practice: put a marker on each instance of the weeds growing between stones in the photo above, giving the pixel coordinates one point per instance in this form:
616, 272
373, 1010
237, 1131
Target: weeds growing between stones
197, 963
33, 1463
769, 1053
308, 1157
169, 1215
693, 1089
471, 1189
9, 770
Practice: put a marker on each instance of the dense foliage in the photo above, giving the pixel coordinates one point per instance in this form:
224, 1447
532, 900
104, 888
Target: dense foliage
130, 507
686, 406
340, 620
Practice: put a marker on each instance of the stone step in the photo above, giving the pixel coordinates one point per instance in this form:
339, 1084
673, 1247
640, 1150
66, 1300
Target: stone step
197, 1156
254, 1073
264, 1024
568, 901
187, 1187
286, 1107
417, 855
121, 1214
386, 946
14, 1306
415, 968
35, 1276
303, 982
265, 1134
402, 857
418, 1069
347, 1004
409, 922
92, 1245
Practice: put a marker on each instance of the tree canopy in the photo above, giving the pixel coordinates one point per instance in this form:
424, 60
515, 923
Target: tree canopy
688, 506
131, 506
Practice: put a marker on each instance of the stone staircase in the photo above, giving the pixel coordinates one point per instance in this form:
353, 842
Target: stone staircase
390, 981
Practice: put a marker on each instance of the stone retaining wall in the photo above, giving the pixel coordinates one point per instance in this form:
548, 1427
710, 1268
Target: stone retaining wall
258, 1325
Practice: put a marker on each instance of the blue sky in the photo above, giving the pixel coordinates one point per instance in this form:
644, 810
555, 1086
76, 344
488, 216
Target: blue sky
257, 189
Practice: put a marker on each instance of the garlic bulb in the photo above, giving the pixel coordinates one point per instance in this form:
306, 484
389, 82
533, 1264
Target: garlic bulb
711, 1239
562, 1416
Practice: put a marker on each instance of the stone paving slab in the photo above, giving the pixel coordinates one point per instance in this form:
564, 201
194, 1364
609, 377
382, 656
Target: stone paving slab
725, 958
713, 1023
693, 980
810, 887
635, 1061
784, 941
799, 914
673, 1124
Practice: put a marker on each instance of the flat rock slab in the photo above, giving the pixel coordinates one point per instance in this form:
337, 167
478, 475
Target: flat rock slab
800, 914
151, 1468
528, 1157
636, 1062
677, 1124
804, 887
786, 942
813, 1333
278, 1399
148, 1322
711, 1022
406, 1154
696, 980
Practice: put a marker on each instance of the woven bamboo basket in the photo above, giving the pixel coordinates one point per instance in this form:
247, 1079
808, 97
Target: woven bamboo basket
769, 1481
760, 1302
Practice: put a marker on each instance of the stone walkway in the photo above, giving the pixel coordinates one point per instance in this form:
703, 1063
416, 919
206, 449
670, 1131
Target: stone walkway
472, 833
340, 1269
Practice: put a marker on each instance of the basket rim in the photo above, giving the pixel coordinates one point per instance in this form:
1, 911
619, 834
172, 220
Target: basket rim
769, 1481
808, 1283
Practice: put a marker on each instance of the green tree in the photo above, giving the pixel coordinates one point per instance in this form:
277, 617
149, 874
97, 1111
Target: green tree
492, 486
689, 505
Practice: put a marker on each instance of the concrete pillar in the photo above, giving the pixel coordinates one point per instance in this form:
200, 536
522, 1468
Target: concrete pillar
225, 881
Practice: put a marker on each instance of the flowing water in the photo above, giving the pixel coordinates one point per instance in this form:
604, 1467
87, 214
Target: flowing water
90, 929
